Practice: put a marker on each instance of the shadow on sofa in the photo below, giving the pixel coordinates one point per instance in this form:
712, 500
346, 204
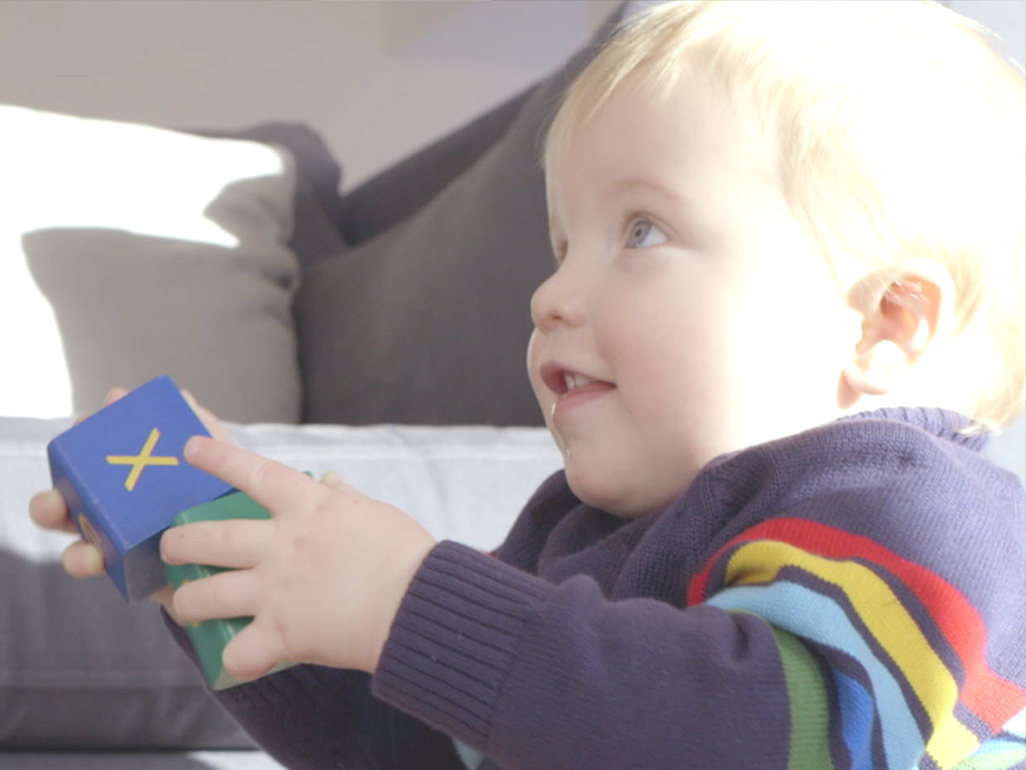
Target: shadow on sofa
63, 689
114, 761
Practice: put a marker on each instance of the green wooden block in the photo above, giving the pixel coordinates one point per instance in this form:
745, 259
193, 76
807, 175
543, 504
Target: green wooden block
210, 637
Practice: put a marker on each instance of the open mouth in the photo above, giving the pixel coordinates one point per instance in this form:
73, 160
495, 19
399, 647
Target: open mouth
563, 381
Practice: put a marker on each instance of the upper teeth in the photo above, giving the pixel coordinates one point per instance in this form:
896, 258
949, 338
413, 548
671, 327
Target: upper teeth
573, 381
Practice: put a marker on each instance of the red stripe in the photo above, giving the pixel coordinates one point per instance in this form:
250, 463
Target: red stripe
993, 699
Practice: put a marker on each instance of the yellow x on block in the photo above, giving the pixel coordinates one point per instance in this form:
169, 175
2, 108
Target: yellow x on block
141, 460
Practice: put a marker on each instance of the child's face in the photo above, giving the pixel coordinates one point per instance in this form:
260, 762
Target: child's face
688, 305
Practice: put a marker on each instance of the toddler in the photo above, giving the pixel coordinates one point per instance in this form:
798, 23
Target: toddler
787, 307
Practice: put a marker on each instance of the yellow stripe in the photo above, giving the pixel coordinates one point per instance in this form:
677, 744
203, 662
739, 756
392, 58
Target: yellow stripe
887, 620
133, 459
141, 460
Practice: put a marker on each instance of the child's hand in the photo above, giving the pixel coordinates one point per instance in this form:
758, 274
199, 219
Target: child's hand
49, 510
322, 578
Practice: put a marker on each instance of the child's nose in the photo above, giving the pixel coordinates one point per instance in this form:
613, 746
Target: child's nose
558, 300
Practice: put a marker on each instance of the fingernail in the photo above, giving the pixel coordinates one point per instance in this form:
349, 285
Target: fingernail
94, 560
192, 447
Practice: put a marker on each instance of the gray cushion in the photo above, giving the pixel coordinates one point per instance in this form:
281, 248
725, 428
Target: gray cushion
427, 320
404, 188
128, 251
316, 204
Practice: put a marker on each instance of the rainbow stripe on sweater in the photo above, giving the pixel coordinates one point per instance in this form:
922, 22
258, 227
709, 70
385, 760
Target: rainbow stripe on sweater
885, 661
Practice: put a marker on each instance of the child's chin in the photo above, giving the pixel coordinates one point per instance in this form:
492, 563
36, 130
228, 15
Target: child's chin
598, 493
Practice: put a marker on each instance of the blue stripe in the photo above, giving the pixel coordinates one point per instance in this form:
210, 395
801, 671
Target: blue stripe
820, 619
857, 711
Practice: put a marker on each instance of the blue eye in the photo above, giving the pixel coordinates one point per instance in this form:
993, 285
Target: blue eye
643, 234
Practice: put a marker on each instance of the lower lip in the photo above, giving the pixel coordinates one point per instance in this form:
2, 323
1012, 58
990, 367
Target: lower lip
577, 398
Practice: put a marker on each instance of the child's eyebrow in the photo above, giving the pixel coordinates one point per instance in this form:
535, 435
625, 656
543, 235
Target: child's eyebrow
556, 239
630, 183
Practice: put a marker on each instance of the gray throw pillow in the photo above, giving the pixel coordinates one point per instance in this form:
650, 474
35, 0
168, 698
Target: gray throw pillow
427, 321
316, 204
128, 251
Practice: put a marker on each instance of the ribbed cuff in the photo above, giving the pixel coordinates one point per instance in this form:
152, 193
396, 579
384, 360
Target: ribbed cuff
454, 639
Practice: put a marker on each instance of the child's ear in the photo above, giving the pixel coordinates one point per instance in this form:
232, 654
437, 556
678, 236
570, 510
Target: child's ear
901, 318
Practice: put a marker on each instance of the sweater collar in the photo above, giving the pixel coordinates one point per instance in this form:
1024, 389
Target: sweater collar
946, 424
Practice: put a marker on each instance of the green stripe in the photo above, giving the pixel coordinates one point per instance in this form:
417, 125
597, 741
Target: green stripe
810, 710
994, 760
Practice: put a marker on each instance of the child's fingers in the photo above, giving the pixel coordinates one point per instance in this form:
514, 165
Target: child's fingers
112, 395
164, 598
210, 420
277, 487
230, 594
254, 651
333, 480
234, 544
49, 511
82, 560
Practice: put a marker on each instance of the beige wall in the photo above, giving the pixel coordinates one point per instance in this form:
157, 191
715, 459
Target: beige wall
377, 78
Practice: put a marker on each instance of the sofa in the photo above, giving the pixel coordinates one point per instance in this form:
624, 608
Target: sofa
380, 333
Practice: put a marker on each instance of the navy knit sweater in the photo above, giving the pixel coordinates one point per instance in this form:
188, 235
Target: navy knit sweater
849, 597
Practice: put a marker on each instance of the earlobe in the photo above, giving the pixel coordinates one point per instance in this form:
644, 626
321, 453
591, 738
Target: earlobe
877, 370
900, 323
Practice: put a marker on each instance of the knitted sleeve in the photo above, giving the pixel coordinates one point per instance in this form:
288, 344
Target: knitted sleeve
315, 718
537, 675
884, 659
806, 649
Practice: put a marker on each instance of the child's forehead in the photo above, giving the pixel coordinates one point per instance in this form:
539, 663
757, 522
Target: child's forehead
648, 138
795, 78
614, 131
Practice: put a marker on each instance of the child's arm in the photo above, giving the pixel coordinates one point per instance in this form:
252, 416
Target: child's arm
537, 675
313, 717
757, 677
801, 645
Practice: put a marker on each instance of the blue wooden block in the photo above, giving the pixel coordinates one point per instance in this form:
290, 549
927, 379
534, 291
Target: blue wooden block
122, 474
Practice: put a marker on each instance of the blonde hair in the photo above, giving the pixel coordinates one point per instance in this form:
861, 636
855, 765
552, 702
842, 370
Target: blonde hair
899, 131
